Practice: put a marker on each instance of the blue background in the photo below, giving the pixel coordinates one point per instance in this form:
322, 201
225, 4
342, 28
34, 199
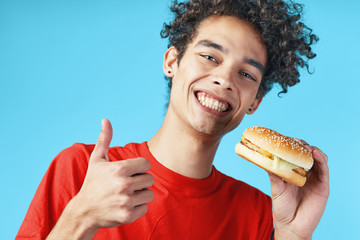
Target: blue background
65, 65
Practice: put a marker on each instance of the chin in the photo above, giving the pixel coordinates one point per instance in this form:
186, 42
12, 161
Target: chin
211, 130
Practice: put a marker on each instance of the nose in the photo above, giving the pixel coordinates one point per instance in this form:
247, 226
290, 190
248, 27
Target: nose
224, 80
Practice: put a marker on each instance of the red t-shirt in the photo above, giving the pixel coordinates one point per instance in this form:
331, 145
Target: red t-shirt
218, 207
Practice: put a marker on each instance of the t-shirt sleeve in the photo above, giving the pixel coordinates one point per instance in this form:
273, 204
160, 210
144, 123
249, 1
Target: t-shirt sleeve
61, 182
266, 224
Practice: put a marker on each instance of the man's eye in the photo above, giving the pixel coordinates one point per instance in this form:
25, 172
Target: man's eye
209, 58
248, 76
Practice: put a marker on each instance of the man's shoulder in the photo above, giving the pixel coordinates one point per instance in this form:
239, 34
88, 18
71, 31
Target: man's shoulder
83, 151
78, 148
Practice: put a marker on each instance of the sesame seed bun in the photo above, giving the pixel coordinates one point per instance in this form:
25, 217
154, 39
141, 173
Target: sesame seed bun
282, 146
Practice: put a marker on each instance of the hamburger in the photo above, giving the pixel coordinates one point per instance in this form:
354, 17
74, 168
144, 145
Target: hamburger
276, 153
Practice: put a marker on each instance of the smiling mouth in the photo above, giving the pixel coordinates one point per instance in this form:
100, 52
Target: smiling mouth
212, 103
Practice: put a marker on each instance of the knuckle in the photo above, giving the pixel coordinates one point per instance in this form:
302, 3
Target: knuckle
125, 201
122, 169
124, 185
127, 216
321, 153
130, 215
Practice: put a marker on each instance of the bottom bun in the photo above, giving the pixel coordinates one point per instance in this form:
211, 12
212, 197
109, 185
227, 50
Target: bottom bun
267, 164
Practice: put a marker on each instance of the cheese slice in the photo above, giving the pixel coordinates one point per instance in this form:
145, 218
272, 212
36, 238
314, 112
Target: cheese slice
281, 164
266, 153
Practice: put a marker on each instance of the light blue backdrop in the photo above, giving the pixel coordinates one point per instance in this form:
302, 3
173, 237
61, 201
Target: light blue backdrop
65, 65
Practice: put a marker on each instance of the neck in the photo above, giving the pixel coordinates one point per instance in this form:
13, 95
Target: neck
183, 150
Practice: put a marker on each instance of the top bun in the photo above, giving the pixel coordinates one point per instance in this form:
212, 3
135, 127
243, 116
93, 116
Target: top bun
279, 145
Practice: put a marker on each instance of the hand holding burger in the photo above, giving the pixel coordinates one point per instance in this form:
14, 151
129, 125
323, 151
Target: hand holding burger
300, 200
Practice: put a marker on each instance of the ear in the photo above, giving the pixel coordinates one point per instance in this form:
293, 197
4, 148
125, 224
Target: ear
170, 62
254, 106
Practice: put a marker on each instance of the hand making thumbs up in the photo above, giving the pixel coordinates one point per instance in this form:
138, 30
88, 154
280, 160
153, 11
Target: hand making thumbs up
113, 193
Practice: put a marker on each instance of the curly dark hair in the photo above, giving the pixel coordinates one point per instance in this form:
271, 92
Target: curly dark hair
288, 40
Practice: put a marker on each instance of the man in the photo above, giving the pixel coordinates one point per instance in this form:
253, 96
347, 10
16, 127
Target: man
223, 57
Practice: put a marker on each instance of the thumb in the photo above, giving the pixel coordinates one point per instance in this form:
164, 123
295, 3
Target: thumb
102, 146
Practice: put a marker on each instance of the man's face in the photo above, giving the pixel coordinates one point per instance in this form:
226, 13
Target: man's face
217, 79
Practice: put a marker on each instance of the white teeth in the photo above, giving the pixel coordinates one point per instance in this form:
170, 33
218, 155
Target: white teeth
211, 103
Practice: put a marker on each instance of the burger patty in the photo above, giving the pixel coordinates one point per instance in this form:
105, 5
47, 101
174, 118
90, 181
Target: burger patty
250, 145
300, 171
255, 148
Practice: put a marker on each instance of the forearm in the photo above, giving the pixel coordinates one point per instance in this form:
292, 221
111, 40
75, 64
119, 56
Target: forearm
73, 222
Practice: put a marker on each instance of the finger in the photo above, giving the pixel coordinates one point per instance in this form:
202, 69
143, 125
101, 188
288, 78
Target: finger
142, 181
133, 166
140, 211
321, 167
133, 214
320, 155
142, 197
103, 143
277, 185
304, 143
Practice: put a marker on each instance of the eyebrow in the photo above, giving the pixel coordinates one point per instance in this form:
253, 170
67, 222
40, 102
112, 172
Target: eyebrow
207, 43
252, 62
256, 64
